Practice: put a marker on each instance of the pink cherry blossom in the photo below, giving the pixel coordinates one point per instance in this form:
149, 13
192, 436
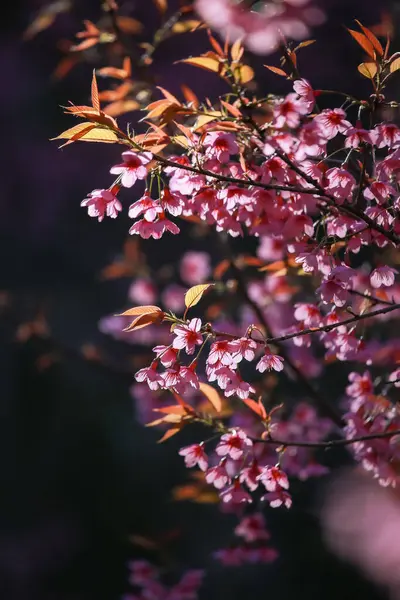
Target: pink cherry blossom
273, 479
195, 456
333, 121
270, 362
383, 277
235, 494
220, 145
195, 267
187, 337
101, 203
233, 444
242, 348
132, 168
150, 375
217, 476
146, 207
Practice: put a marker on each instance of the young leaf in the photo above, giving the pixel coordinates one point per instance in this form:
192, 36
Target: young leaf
204, 62
372, 38
144, 321
244, 74
276, 70
256, 407
140, 310
368, 69
395, 65
212, 396
95, 93
363, 41
195, 293
237, 50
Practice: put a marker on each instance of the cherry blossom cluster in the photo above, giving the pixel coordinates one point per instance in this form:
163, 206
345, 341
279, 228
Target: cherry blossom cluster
251, 544
145, 579
370, 413
261, 31
238, 472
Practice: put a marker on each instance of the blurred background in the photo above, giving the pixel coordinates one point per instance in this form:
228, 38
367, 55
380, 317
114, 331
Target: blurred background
81, 478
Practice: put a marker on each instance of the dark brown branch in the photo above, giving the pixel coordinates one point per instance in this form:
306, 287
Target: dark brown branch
329, 443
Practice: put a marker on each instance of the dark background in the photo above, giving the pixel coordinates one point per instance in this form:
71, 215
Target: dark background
78, 474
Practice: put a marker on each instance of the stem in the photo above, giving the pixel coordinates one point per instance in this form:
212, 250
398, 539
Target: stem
330, 443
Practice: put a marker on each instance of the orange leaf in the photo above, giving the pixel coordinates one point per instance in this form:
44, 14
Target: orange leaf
169, 96
237, 50
129, 25
186, 26
363, 41
144, 321
256, 407
140, 310
215, 44
244, 73
212, 396
276, 70
275, 266
233, 110
369, 69
204, 62
372, 38
221, 268
162, 5
168, 434
190, 96
95, 93
175, 409
395, 65
195, 293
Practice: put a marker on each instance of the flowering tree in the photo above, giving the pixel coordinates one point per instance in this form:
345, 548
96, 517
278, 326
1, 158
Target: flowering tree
301, 196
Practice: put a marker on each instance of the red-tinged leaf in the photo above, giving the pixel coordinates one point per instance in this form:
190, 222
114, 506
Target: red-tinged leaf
92, 134
187, 26
175, 409
90, 30
203, 62
190, 96
74, 132
185, 130
276, 70
237, 50
212, 396
112, 72
252, 261
233, 110
144, 321
256, 407
168, 95
95, 93
195, 293
161, 5
221, 268
395, 65
65, 65
168, 434
121, 107
372, 38
140, 310
275, 266
305, 44
85, 45
215, 44
119, 93
368, 70
244, 73
129, 25
363, 41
